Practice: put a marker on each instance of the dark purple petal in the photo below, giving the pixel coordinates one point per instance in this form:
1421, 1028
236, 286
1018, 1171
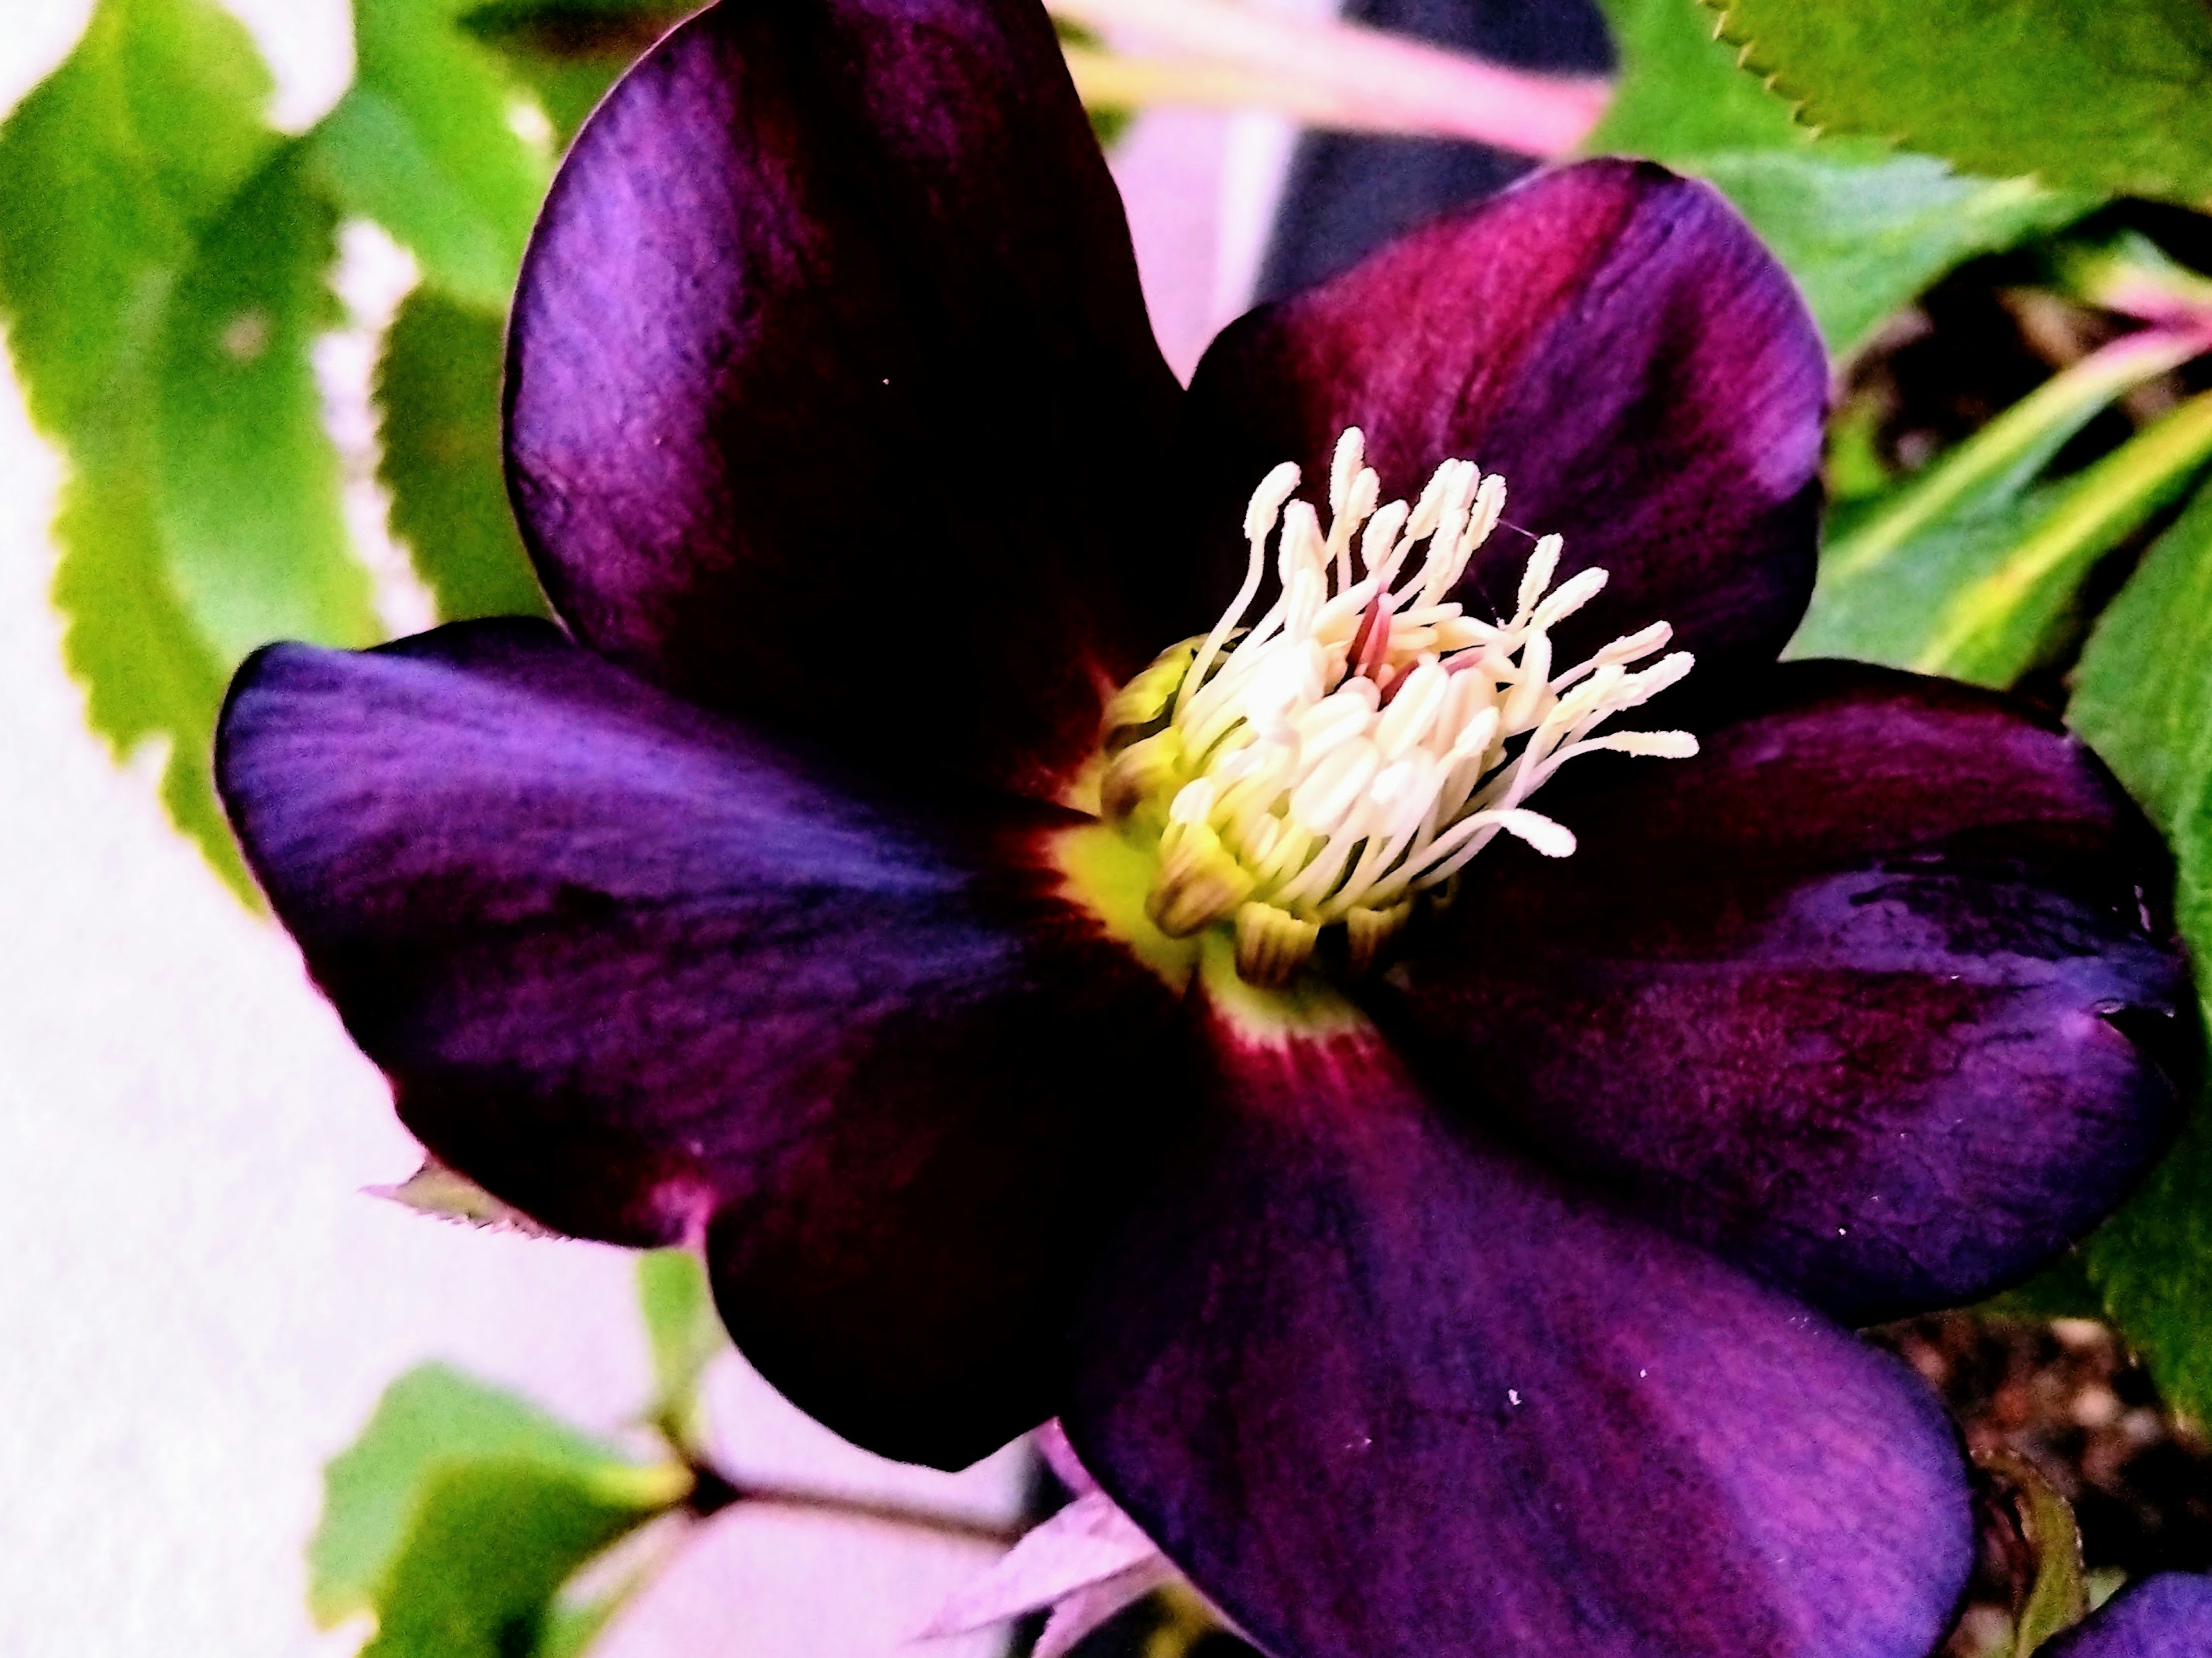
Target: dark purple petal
648, 978
1386, 1391
1609, 338
831, 396
1872, 995
2167, 1616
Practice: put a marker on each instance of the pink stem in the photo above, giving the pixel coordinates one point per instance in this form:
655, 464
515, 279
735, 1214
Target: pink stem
1348, 74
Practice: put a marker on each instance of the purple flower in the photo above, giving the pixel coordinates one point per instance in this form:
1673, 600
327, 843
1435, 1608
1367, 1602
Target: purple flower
1428, 1257
2165, 1616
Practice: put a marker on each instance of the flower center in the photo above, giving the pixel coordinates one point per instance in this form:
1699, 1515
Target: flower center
1352, 750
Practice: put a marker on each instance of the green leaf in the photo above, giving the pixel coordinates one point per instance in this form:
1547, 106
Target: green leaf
2143, 694
430, 142
1679, 91
2142, 698
2152, 1261
685, 1334
570, 51
2058, 1593
493, 1542
2061, 1289
1864, 229
1887, 615
161, 292
1863, 238
2109, 96
1896, 579
438, 387
2132, 275
250, 482
100, 205
150, 678
568, 1632
446, 1194
1993, 628
461, 1510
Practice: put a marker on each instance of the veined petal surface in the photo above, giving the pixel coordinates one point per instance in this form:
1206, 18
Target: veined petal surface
1383, 1389
1875, 994
1610, 338
649, 977
831, 396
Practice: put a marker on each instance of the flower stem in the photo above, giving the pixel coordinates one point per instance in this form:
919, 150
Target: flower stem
2019, 441
716, 1490
1329, 73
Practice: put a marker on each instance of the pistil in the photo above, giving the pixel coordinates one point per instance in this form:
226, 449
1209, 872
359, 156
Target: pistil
1338, 760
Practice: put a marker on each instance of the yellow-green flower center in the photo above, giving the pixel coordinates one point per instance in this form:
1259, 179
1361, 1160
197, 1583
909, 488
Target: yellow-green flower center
1345, 755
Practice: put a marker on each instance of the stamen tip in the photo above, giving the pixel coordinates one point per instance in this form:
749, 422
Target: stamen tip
1268, 499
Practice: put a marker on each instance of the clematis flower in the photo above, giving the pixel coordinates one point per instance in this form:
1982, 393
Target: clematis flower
1430, 1190
2165, 1616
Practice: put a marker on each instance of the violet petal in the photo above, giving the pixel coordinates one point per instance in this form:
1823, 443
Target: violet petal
649, 977
1096, 1605
831, 396
1090, 1549
1384, 1390
1612, 339
1052, 1449
2165, 1616
1872, 995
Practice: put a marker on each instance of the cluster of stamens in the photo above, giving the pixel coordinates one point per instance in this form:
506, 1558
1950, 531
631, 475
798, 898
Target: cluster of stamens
1354, 748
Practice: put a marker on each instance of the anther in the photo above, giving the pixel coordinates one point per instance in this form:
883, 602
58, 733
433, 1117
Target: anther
1272, 945
1349, 752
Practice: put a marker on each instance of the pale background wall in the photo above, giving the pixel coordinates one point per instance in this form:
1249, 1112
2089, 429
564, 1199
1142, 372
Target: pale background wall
198, 1306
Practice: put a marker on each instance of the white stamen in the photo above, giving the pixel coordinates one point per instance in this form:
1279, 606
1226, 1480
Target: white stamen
1534, 579
1382, 536
1259, 523
1365, 739
1351, 450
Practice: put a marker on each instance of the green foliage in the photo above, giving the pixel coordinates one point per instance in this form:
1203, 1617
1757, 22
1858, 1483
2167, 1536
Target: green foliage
101, 207
1108, 122
458, 1514
2144, 698
1864, 229
2059, 1592
430, 142
569, 52
1864, 239
2143, 694
164, 264
568, 1630
438, 386
2062, 1290
1978, 594
1679, 91
159, 296
1992, 628
2109, 96
2152, 1261
681, 1325
236, 406
492, 1545
1964, 568
448, 1194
